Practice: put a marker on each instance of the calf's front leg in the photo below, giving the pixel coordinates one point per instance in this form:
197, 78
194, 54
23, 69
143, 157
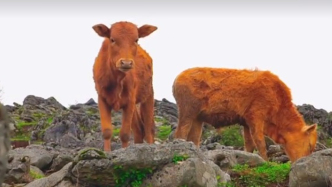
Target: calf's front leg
106, 123
249, 144
257, 134
127, 117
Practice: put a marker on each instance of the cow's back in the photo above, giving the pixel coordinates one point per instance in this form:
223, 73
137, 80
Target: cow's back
219, 90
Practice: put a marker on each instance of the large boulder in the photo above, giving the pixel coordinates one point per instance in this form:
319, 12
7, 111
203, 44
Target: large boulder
97, 169
313, 170
56, 179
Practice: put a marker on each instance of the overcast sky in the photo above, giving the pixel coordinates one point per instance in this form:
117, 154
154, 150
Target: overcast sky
48, 49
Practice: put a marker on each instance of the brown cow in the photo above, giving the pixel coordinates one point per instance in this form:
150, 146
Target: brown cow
257, 100
122, 73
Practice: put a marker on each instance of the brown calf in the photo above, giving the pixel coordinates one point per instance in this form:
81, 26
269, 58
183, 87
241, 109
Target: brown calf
122, 73
257, 100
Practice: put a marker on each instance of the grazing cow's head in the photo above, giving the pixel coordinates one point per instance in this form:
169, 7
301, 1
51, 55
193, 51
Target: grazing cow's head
123, 38
299, 144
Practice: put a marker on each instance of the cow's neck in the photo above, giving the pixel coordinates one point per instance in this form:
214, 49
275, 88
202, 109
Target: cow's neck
287, 120
111, 77
291, 120
116, 84
116, 77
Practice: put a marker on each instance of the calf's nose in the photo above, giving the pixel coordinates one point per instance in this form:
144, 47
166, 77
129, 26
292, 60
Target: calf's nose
126, 63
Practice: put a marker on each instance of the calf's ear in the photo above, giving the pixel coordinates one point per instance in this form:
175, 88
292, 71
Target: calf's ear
102, 30
146, 30
311, 128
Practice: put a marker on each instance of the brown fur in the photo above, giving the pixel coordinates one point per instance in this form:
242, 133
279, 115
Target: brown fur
256, 99
124, 86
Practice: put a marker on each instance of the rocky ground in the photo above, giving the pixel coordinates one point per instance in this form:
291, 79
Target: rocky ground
56, 146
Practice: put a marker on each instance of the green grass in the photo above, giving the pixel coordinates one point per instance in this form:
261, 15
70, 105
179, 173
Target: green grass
164, 130
116, 131
208, 132
328, 142
231, 136
92, 111
178, 157
35, 175
38, 142
49, 120
131, 176
21, 124
38, 115
20, 137
42, 131
260, 176
160, 119
23, 131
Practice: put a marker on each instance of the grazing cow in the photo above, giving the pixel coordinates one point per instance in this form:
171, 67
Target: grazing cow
122, 73
257, 100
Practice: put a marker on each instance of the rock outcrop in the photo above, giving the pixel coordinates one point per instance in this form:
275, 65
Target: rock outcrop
315, 170
57, 146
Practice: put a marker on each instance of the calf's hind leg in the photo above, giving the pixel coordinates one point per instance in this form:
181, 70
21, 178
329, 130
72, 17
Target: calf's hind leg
184, 124
183, 128
195, 132
188, 109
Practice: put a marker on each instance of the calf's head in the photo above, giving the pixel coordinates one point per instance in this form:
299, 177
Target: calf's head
123, 37
299, 144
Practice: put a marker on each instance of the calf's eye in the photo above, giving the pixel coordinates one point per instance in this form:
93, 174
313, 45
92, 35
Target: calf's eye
136, 40
112, 40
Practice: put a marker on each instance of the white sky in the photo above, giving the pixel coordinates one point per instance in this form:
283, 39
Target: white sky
49, 49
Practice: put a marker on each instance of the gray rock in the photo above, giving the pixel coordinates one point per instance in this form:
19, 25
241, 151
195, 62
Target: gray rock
226, 159
41, 102
17, 174
60, 161
320, 116
166, 109
92, 165
36, 157
66, 183
39, 156
91, 102
66, 131
16, 185
193, 172
53, 180
280, 159
313, 170
69, 129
